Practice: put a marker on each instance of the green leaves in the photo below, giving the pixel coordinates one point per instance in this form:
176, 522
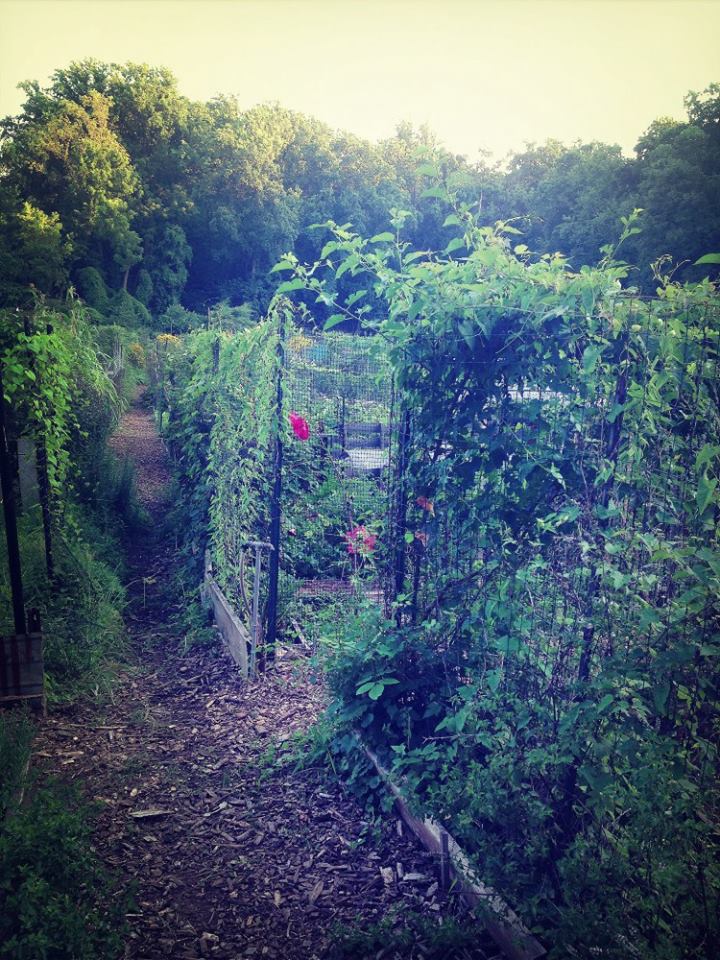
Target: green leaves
283, 266
428, 170
289, 285
705, 491
556, 605
590, 358
374, 689
708, 454
334, 321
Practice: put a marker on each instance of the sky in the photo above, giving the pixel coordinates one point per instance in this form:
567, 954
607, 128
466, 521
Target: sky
486, 75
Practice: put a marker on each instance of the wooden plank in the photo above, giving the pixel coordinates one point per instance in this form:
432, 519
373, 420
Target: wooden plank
503, 925
235, 634
22, 675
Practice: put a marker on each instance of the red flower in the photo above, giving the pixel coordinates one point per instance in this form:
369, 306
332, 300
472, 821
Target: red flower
360, 541
300, 426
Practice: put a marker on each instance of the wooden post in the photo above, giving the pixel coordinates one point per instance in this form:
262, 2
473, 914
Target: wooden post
13, 545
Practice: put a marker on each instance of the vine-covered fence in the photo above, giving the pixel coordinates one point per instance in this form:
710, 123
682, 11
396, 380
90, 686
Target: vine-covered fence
540, 665
289, 440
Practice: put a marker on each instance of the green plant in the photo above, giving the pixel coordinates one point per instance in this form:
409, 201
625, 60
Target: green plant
401, 937
58, 902
547, 684
16, 735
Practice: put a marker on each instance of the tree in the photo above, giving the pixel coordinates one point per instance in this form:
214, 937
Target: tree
69, 162
33, 253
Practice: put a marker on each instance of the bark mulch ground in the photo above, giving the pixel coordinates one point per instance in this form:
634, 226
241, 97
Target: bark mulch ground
231, 851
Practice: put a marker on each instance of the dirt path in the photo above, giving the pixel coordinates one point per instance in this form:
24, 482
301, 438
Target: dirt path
230, 853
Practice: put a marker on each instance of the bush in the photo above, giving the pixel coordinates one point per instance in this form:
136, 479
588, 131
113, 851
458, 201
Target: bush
16, 733
127, 311
58, 902
136, 354
81, 610
177, 319
92, 289
144, 288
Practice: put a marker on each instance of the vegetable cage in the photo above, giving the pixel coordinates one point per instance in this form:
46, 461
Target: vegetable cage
337, 482
526, 504
290, 441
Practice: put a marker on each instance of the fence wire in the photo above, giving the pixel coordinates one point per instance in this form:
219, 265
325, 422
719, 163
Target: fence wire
573, 568
337, 480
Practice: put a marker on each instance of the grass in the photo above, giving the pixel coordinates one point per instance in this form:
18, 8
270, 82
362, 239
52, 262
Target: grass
59, 901
401, 937
16, 735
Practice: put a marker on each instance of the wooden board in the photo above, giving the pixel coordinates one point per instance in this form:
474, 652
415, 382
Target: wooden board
234, 632
22, 676
503, 925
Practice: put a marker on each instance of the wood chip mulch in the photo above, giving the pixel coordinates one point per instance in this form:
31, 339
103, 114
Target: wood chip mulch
231, 851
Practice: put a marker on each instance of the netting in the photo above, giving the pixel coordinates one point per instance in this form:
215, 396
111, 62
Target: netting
337, 465
587, 490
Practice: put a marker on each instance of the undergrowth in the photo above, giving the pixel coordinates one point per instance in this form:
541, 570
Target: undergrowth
406, 938
57, 902
16, 734
80, 609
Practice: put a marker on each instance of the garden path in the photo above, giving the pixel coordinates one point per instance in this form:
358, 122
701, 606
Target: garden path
232, 853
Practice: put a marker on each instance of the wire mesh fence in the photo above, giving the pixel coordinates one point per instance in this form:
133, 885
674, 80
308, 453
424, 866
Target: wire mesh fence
561, 507
588, 488
338, 465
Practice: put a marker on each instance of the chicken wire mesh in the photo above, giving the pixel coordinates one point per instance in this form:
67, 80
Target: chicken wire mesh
575, 567
338, 466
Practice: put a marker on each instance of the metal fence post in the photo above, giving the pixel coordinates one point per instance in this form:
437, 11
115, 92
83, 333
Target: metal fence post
401, 509
276, 498
8, 496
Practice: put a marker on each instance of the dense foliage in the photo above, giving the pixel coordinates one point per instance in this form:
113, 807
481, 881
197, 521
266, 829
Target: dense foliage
58, 902
142, 199
222, 414
547, 684
545, 678
61, 378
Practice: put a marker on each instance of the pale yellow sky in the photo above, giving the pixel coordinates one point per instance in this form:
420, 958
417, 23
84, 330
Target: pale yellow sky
484, 74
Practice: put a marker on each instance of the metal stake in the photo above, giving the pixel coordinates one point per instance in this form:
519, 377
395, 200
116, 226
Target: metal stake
255, 620
8, 498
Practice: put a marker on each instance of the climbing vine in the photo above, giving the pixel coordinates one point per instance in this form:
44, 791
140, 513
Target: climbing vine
548, 684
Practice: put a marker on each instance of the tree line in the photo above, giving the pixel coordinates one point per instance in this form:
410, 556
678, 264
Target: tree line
154, 207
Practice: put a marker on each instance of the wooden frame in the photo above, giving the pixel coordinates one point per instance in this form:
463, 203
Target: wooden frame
22, 674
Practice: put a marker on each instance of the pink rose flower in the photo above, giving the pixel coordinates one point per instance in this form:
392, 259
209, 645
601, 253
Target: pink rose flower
300, 426
360, 541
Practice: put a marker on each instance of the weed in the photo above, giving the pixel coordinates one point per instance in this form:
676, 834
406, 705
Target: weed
16, 733
58, 900
403, 937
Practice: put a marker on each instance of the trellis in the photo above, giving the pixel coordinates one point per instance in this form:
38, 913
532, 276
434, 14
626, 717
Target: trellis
334, 497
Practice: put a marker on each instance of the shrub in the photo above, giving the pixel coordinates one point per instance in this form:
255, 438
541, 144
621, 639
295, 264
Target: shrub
16, 733
127, 311
144, 288
136, 354
58, 902
177, 319
92, 288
